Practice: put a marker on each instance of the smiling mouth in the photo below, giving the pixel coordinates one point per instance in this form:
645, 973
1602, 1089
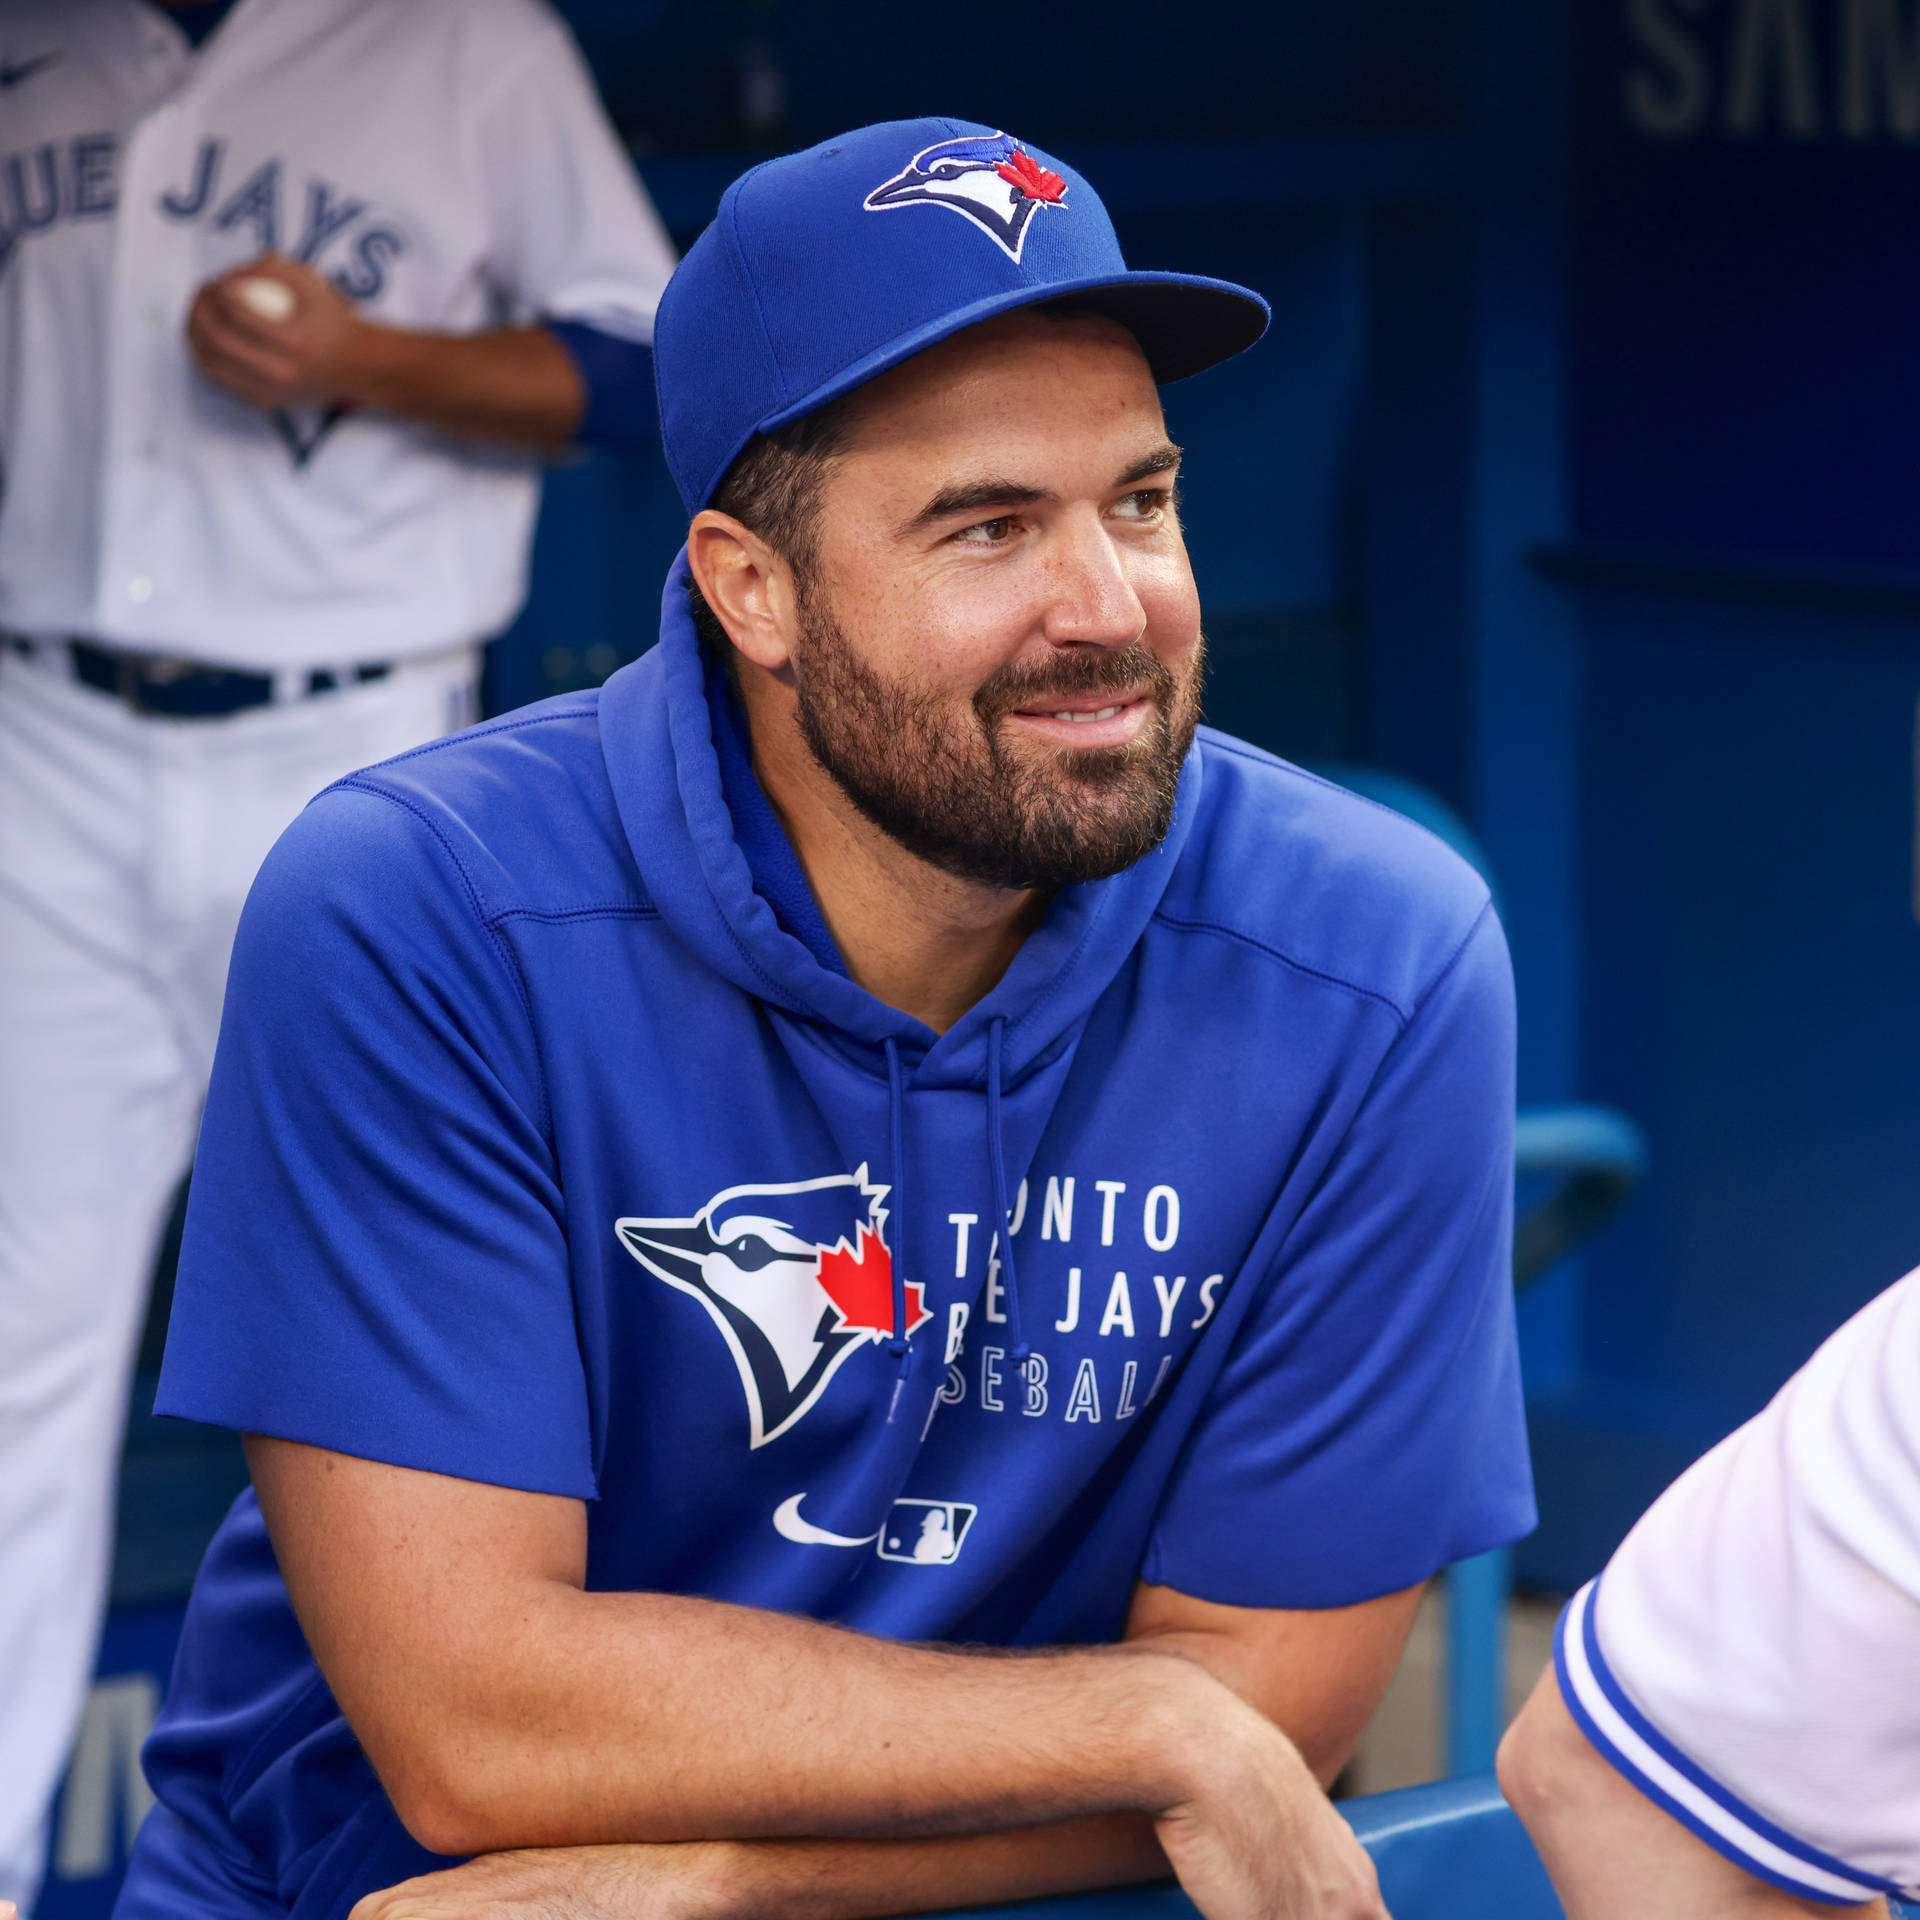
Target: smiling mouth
1114, 725
1080, 716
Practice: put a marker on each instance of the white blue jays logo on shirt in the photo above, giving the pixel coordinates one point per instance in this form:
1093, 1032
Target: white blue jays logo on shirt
795, 1276
990, 179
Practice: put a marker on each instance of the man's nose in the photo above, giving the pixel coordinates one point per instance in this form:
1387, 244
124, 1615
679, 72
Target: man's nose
1090, 599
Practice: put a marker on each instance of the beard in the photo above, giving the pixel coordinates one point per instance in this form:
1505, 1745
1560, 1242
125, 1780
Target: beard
950, 788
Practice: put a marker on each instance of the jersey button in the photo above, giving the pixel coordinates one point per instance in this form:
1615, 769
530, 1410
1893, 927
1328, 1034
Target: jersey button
140, 587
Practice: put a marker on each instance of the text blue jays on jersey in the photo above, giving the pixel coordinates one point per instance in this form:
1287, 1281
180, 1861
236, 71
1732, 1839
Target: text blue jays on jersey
264, 204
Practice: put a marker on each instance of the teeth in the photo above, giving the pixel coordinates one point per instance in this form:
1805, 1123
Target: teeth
1105, 713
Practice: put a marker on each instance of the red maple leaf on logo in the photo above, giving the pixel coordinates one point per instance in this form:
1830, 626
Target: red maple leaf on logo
1035, 181
859, 1282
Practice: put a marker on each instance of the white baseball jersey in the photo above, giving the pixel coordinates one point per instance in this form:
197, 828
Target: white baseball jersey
446, 162
1750, 1658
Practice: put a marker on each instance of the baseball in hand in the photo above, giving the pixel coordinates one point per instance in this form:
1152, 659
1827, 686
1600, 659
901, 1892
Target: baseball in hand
270, 299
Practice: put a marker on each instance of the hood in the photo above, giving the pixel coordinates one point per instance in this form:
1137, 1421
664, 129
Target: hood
658, 730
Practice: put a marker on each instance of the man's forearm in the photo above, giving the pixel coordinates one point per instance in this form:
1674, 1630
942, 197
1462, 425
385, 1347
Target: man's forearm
654, 1718
517, 386
855, 1879
796, 1879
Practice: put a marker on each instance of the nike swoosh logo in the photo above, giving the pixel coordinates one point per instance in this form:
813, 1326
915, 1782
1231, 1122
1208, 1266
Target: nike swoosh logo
12, 76
789, 1526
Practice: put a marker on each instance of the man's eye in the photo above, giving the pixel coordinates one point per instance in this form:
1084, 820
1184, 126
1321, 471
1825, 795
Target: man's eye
987, 533
1145, 504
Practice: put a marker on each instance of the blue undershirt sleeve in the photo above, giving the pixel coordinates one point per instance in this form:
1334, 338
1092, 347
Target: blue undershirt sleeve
623, 410
375, 1260
1367, 1427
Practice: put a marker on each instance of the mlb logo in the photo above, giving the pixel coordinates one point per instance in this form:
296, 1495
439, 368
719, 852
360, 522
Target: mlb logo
925, 1533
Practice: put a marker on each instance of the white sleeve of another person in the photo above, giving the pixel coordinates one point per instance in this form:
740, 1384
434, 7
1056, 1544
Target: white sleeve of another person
1750, 1658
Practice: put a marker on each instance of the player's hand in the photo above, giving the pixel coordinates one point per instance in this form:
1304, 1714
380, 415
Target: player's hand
298, 347
564, 1883
1259, 1839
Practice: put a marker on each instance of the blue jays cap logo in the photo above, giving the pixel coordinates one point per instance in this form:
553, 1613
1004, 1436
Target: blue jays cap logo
990, 179
796, 1277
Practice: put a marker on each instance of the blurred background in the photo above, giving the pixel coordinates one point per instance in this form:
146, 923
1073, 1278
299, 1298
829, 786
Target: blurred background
1571, 499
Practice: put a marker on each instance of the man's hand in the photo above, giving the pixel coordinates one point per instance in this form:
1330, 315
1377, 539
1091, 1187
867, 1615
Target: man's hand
310, 358
517, 386
1261, 1841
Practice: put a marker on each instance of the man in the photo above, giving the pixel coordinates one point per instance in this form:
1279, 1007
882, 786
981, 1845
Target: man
1732, 1723
291, 297
861, 1134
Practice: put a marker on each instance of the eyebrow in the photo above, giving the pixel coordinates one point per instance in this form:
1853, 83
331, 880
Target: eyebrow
976, 496
1163, 459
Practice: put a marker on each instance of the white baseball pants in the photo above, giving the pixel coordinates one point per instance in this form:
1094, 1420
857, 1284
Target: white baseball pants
127, 844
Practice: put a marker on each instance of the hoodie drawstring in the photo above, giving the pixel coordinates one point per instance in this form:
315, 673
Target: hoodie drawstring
1019, 1353
899, 1346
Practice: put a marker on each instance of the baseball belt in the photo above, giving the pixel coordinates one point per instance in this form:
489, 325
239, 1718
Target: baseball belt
168, 688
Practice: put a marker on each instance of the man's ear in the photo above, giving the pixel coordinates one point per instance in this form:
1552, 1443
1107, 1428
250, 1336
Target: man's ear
748, 586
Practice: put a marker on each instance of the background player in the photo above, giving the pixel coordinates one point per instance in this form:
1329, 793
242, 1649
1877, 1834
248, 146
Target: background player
289, 298
872, 1059
1732, 1723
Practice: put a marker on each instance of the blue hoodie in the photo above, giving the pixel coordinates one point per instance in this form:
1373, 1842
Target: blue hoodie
551, 1145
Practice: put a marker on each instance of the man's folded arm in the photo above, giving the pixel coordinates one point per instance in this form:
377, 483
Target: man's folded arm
506, 1707
1318, 1674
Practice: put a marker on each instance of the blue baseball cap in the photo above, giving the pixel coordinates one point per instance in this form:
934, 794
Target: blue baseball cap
823, 269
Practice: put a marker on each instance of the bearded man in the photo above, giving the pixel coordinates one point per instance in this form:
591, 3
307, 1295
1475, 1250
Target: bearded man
866, 1145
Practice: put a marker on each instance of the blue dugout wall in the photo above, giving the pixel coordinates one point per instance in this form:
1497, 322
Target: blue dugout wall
1743, 572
